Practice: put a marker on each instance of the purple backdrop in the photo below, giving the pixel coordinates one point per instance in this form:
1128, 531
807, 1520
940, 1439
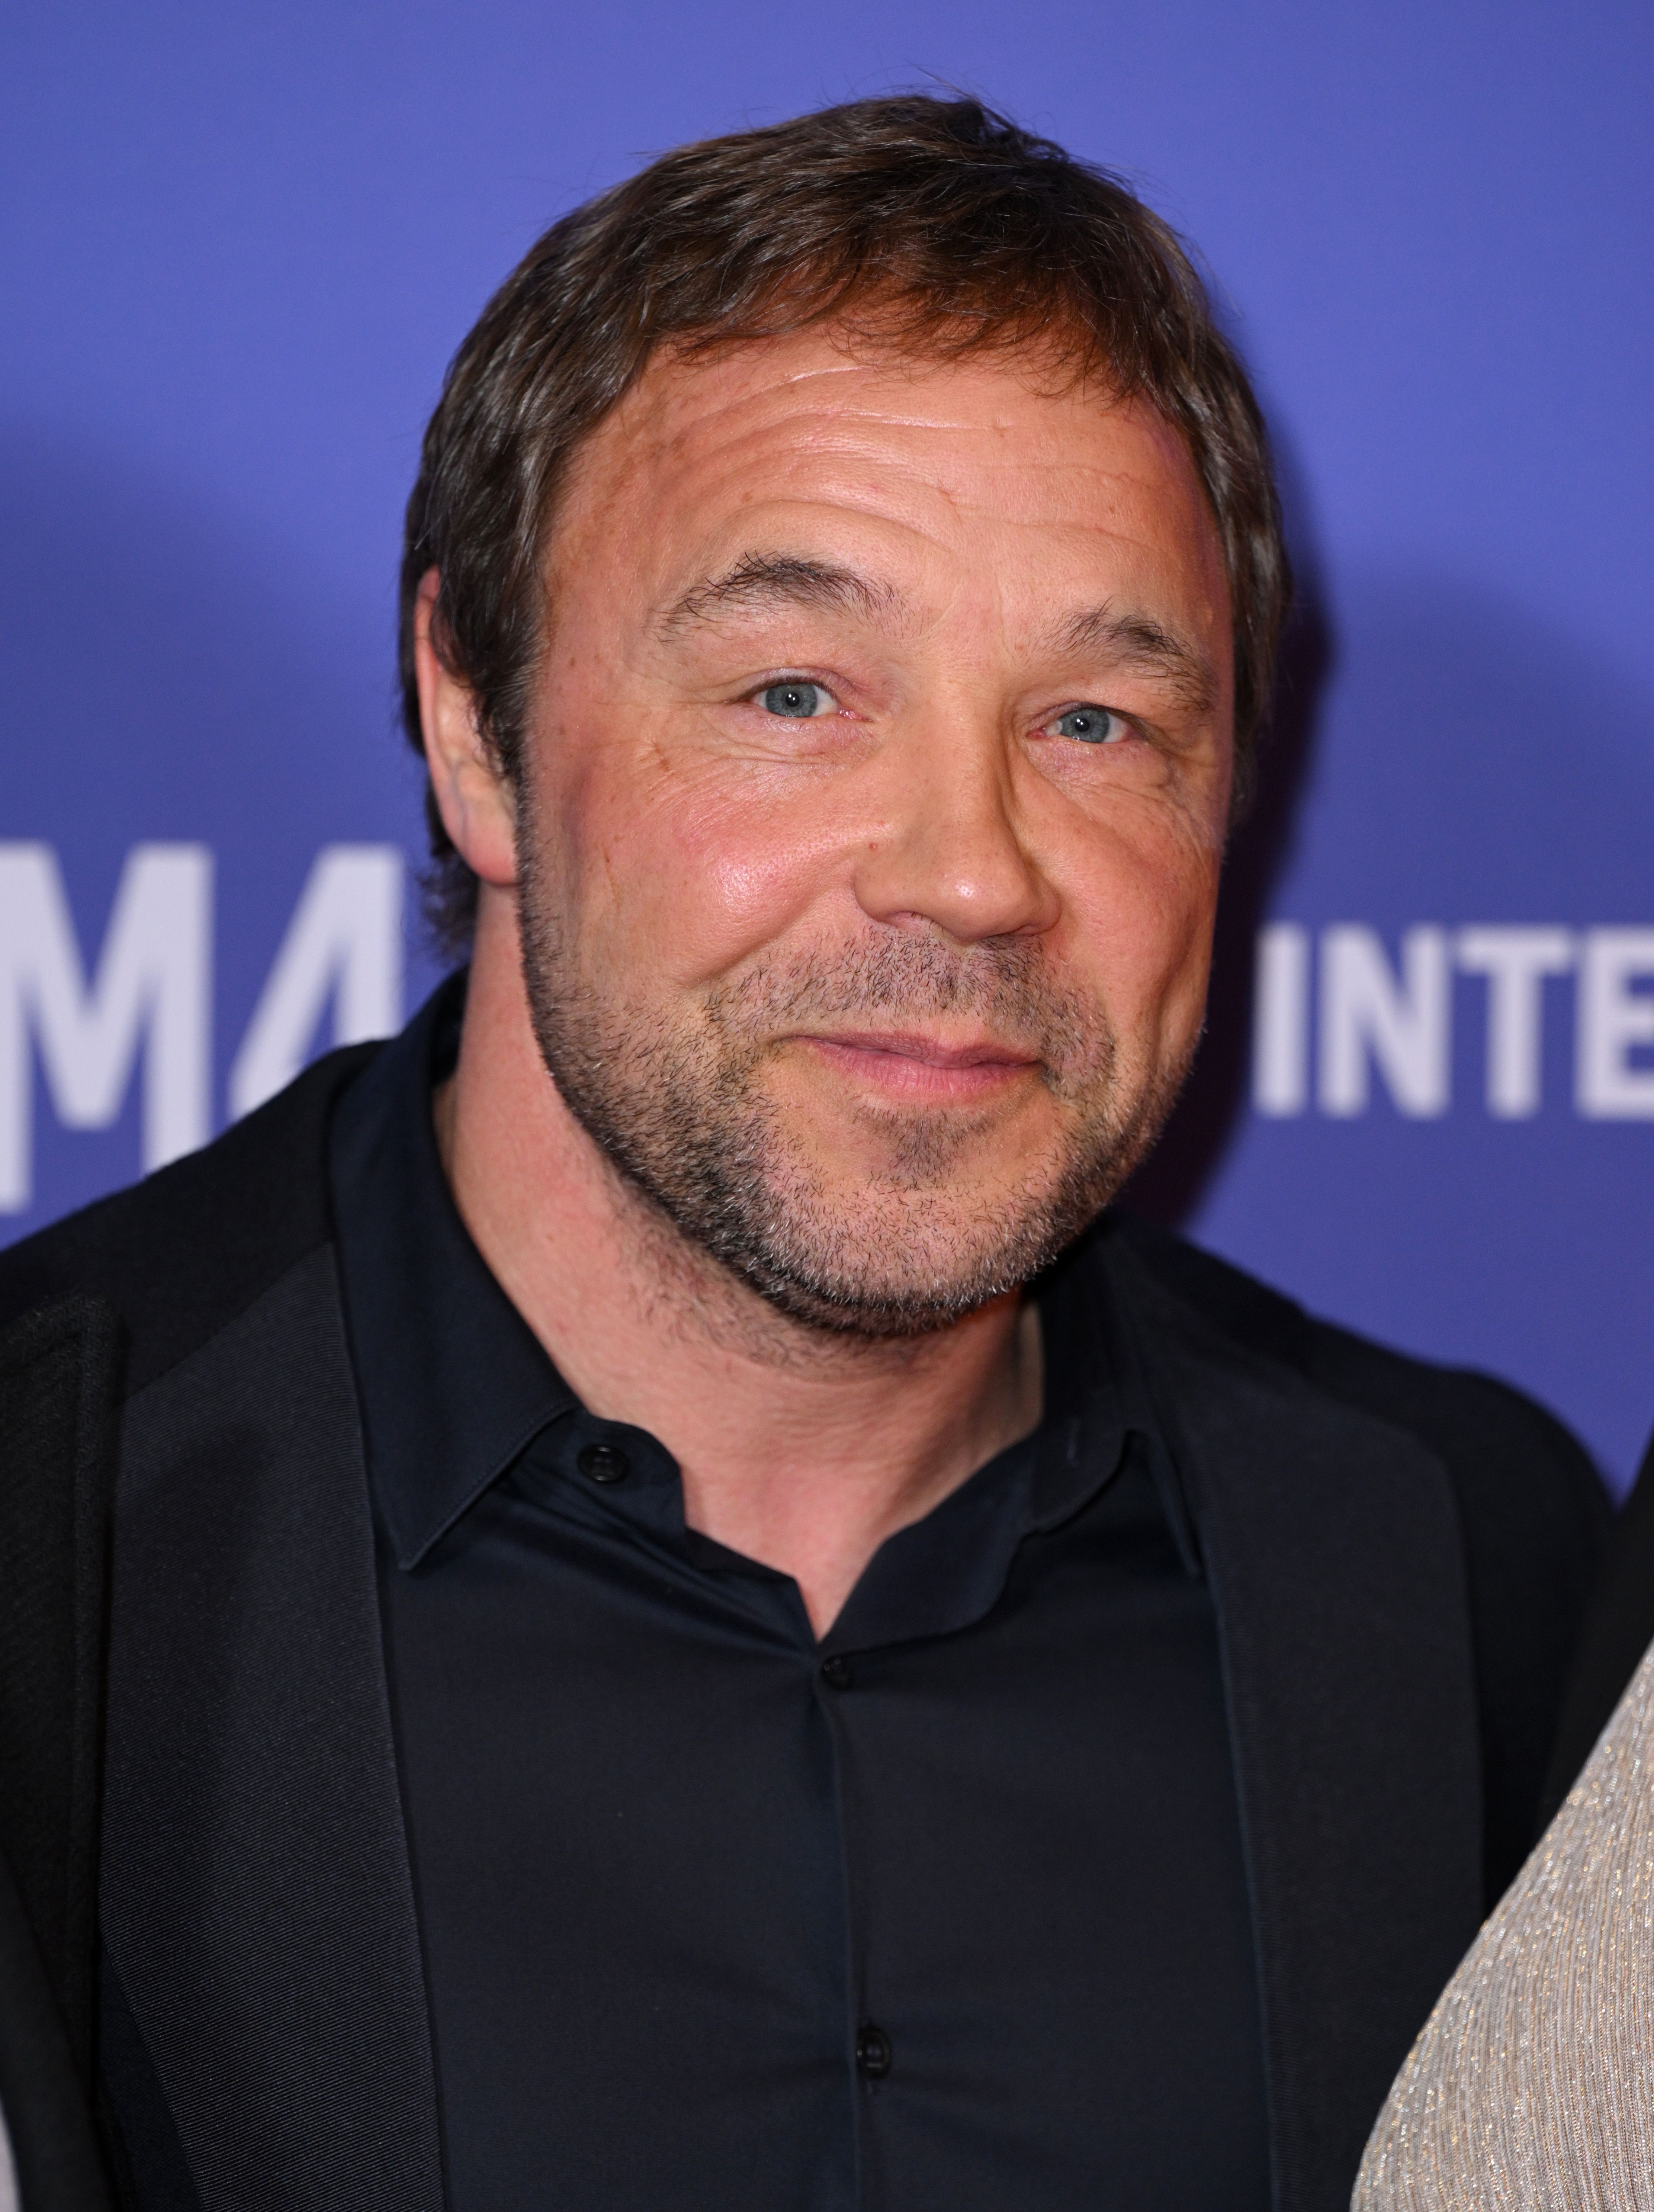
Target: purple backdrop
241, 245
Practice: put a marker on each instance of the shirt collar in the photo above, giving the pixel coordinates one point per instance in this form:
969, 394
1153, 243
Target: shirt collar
452, 1382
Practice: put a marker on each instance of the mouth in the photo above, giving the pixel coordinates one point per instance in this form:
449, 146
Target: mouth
900, 1064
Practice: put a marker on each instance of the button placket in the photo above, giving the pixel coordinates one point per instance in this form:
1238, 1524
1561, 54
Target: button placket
873, 2050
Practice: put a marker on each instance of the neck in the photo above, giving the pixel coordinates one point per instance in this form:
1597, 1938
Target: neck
799, 1449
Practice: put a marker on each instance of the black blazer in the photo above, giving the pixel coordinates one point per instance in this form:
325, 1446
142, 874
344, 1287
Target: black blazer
1398, 1557
56, 1434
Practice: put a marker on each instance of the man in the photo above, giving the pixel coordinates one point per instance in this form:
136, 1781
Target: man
688, 1629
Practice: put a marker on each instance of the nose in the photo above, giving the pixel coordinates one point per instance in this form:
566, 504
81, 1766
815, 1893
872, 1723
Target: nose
952, 855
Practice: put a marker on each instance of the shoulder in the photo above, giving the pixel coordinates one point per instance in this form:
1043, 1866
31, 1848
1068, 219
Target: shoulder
1505, 1452
181, 1254
1533, 1516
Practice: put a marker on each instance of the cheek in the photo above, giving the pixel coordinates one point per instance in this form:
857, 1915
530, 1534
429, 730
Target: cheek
1140, 912
690, 874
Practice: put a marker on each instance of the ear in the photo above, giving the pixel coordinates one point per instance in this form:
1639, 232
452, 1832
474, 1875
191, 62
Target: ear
473, 796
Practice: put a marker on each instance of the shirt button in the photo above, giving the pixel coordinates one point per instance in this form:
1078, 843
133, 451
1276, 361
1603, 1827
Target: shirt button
603, 1463
836, 1673
873, 2053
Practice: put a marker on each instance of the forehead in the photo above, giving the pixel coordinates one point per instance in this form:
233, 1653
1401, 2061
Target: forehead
972, 461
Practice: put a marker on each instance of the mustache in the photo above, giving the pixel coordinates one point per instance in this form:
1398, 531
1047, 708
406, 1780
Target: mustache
1004, 983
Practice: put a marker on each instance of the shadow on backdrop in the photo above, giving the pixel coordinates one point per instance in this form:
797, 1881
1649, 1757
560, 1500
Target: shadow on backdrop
1167, 1189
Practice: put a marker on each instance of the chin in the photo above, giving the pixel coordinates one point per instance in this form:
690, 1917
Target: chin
884, 1259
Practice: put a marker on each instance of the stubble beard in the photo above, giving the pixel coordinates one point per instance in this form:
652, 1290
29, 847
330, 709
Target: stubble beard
682, 1113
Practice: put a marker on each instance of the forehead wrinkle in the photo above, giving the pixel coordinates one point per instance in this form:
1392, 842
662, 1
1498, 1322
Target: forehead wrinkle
1139, 641
767, 579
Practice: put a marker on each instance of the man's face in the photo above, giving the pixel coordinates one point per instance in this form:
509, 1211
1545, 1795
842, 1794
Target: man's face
870, 819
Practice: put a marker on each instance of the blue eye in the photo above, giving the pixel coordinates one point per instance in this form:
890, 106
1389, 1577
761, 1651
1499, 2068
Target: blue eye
798, 700
1093, 726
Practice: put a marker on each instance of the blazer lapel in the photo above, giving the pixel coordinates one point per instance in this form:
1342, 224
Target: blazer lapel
257, 1896
58, 1377
59, 1369
1332, 1544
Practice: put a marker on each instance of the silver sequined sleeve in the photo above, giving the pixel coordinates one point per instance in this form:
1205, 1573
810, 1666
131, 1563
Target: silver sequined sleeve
1532, 2083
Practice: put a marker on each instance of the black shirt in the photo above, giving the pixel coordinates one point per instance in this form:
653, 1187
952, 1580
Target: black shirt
943, 1913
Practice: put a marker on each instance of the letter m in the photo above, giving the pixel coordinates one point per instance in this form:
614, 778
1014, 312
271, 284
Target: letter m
152, 990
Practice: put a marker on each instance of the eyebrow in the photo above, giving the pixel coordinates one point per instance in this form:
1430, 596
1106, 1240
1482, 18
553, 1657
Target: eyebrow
757, 580
768, 579
1137, 641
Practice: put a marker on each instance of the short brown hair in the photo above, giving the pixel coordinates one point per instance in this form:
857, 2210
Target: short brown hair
944, 225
